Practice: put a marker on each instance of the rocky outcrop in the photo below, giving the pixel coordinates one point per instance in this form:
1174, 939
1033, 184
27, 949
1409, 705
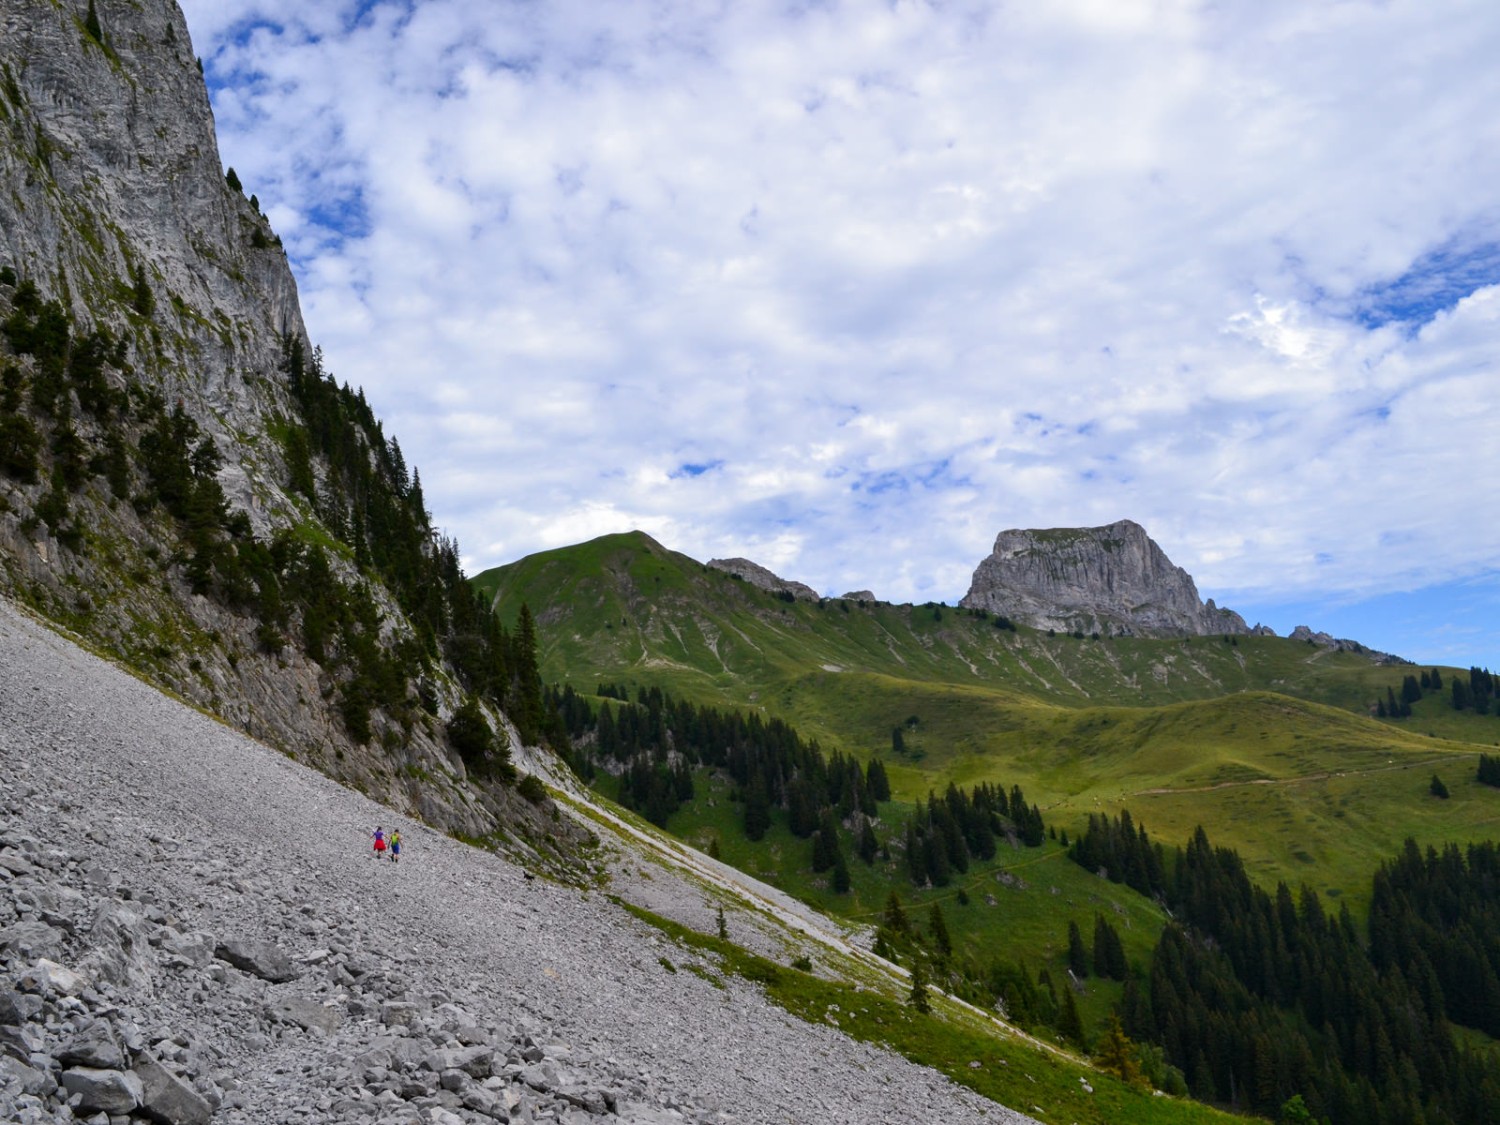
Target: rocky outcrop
114, 205
760, 577
1113, 580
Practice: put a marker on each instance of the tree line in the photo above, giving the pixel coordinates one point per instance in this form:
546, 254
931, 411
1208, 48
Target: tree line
77, 413
1259, 997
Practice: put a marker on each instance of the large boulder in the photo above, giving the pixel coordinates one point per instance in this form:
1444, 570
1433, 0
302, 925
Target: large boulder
263, 959
168, 1099
103, 1091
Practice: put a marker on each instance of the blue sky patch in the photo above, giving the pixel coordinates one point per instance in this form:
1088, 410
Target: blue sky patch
1435, 283
690, 469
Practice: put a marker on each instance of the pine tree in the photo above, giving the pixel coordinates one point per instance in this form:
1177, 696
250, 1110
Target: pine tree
1069, 1022
937, 926
868, 845
91, 24
233, 181
895, 915
918, 998
1437, 788
723, 926
840, 873
1078, 958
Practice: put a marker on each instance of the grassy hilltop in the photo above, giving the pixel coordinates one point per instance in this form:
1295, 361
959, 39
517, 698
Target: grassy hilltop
1267, 741
1272, 745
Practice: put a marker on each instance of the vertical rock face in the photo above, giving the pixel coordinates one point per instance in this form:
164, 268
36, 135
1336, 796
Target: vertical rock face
1110, 580
116, 212
110, 174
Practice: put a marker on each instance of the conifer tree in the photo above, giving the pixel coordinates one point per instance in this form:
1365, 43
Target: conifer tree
92, 26
840, 872
868, 845
895, 915
937, 927
1069, 1022
918, 998
1078, 958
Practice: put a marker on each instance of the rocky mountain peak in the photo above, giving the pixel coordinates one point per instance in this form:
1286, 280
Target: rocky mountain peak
759, 576
1110, 580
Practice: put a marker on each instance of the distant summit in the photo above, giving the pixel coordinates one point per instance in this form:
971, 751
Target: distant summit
759, 576
1113, 580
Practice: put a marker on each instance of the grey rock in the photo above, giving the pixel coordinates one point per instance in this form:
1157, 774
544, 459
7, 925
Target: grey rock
48, 977
28, 1078
103, 1091
94, 1046
32, 939
263, 959
398, 1013
122, 952
195, 948
1111, 580
306, 1014
17, 1008
166, 1098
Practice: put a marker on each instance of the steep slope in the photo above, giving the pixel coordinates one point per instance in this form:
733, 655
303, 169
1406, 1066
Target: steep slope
180, 480
447, 985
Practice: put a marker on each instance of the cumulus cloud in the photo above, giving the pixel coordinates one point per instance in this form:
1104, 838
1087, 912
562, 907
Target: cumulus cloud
856, 285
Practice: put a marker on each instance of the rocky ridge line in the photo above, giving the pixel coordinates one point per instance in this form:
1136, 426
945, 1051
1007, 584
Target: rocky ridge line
761, 578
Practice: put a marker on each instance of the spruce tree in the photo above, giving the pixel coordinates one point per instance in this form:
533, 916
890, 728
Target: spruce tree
1437, 788
868, 845
1069, 1022
918, 998
895, 915
840, 872
91, 24
1078, 958
937, 927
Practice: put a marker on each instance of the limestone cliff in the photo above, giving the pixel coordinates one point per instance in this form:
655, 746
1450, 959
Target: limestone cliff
117, 222
1113, 580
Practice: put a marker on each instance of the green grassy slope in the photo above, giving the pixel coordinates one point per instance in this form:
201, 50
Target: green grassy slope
1267, 741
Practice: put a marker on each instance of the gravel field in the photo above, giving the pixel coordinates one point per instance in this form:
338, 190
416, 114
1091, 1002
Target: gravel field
137, 835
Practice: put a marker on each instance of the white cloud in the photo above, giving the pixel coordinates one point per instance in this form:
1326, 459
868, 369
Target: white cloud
907, 273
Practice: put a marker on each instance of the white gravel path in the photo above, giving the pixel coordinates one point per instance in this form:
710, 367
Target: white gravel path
238, 840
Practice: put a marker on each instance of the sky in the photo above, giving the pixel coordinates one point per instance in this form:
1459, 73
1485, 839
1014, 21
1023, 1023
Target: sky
848, 288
